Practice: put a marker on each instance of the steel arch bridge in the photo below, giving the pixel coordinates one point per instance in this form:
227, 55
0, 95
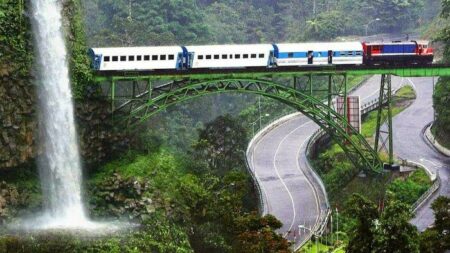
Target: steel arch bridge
145, 102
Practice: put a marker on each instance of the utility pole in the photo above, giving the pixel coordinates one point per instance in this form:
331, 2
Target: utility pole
434, 111
337, 225
259, 106
314, 8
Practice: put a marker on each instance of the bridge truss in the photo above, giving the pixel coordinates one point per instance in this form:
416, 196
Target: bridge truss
154, 92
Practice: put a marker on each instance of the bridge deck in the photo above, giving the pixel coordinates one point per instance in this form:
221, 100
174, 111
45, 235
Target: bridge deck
403, 71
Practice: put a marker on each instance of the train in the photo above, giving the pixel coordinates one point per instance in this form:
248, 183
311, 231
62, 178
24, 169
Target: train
182, 58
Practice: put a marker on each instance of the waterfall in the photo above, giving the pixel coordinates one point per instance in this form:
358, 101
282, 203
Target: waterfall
59, 163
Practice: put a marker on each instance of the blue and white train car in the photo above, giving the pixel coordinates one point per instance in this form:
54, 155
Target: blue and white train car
305, 54
230, 56
139, 58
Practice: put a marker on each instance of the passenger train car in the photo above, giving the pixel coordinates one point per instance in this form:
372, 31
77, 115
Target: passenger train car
260, 56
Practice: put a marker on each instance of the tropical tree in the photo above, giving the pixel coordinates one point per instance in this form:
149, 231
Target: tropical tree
366, 215
256, 234
222, 144
395, 233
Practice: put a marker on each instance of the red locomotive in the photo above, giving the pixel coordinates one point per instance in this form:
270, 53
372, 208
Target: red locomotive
397, 53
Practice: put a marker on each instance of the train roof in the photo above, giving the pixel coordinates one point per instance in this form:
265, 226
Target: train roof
136, 50
397, 42
324, 46
231, 47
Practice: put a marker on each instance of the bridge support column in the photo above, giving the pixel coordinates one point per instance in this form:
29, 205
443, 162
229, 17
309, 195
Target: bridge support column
310, 85
113, 95
330, 94
384, 131
345, 98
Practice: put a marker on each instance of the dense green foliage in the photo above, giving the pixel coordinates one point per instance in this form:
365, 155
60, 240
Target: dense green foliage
15, 48
212, 201
408, 190
80, 71
365, 212
154, 22
441, 98
389, 231
222, 144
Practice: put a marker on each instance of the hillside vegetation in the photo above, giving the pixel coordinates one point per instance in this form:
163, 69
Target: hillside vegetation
441, 96
153, 22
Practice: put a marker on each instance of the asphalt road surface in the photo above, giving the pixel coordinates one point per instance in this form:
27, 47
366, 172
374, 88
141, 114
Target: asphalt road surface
410, 144
279, 163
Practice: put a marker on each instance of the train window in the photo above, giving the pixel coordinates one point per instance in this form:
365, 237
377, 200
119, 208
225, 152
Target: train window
231, 56
131, 58
123, 58
290, 55
208, 57
253, 56
107, 58
359, 53
261, 55
139, 58
200, 57
237, 56
171, 56
163, 57
146, 57
225, 56
216, 57
115, 58
245, 56
154, 57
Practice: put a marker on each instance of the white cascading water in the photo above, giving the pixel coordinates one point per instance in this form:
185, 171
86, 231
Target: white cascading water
59, 164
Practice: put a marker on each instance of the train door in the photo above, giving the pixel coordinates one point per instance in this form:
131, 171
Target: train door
190, 60
185, 59
310, 57
330, 57
181, 62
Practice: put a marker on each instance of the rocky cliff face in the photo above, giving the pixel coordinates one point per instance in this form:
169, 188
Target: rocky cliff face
18, 102
17, 97
17, 121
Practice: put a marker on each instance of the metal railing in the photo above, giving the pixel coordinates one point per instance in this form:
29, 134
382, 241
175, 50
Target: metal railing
434, 187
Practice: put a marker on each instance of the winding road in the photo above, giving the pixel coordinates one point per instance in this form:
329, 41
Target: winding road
277, 157
410, 144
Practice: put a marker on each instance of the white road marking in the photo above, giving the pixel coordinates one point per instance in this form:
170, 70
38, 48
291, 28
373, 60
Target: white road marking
282, 181
412, 83
438, 165
312, 187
